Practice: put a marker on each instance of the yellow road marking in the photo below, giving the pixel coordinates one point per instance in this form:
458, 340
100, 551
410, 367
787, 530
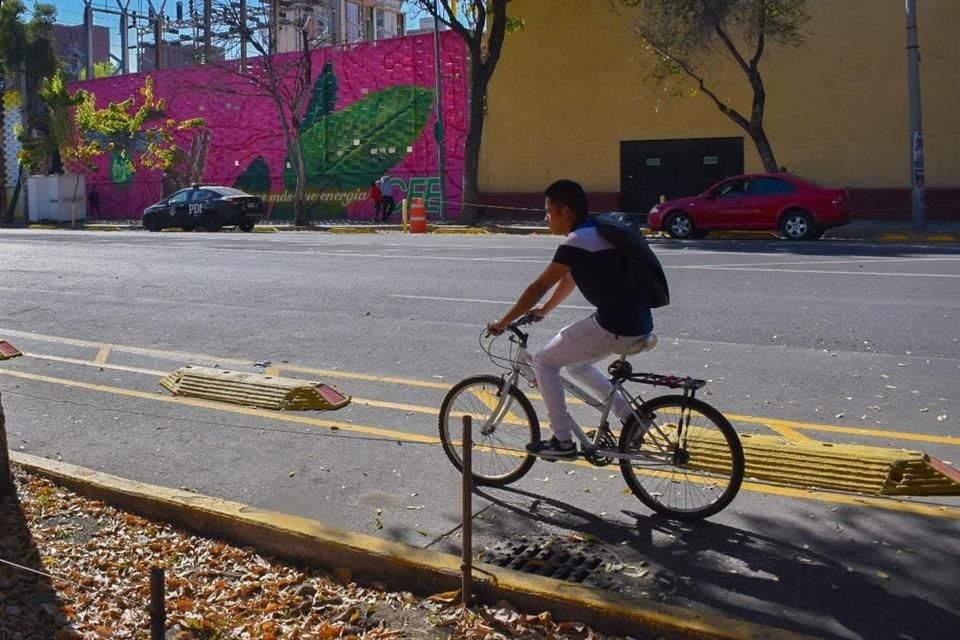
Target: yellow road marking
789, 432
217, 406
87, 363
347, 375
772, 423
856, 431
102, 355
925, 509
492, 401
166, 355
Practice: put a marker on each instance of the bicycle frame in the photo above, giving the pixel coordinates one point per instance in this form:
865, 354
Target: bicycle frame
522, 366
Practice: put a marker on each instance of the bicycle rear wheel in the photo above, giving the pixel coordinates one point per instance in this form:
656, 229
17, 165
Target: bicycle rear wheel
688, 477
499, 449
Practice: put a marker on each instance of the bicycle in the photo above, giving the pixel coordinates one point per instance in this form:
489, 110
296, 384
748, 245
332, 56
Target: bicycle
679, 455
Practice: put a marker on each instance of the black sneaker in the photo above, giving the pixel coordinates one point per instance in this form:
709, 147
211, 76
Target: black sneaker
553, 449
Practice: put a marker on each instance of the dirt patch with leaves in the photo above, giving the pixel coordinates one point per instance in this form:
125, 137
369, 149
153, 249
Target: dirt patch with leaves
73, 568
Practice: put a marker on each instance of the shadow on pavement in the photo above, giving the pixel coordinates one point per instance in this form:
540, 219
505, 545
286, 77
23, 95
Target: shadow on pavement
743, 574
32, 608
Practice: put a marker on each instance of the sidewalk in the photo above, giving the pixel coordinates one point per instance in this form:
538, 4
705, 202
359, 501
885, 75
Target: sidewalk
374, 560
900, 231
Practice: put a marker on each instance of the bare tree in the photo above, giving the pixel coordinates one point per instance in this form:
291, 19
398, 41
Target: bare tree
285, 79
688, 37
483, 25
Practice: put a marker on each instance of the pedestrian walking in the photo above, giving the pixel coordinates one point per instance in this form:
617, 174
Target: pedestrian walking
94, 200
386, 190
377, 196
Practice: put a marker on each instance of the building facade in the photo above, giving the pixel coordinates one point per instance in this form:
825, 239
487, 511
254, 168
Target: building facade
574, 87
70, 47
334, 22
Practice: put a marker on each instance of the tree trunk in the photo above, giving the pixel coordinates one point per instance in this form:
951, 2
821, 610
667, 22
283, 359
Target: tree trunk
759, 137
7, 487
299, 196
471, 151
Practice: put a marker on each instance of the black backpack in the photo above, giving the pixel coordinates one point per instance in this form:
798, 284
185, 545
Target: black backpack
644, 273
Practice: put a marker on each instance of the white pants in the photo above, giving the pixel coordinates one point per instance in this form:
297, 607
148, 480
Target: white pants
577, 347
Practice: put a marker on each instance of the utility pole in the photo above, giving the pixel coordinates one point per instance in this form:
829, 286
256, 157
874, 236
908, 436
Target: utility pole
207, 11
88, 27
124, 38
243, 35
438, 126
918, 199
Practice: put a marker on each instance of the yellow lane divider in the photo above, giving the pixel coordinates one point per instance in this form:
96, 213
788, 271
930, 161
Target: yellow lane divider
253, 389
890, 504
824, 465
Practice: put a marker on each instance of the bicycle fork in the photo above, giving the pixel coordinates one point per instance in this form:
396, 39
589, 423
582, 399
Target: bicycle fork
503, 404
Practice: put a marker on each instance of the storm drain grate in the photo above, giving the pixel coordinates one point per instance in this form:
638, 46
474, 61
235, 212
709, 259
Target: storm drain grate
555, 557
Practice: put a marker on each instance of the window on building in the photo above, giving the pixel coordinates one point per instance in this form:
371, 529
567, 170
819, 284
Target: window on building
389, 24
359, 19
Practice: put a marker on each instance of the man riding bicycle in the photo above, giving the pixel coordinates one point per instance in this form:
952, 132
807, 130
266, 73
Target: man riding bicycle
588, 262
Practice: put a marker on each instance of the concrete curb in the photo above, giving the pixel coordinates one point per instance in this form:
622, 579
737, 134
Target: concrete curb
396, 565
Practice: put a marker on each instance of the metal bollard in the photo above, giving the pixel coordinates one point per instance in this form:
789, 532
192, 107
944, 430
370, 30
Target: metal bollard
466, 566
158, 613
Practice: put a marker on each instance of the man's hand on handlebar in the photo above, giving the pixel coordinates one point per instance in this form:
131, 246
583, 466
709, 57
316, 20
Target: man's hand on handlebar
536, 314
495, 328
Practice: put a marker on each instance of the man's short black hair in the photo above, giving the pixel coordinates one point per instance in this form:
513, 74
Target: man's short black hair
568, 193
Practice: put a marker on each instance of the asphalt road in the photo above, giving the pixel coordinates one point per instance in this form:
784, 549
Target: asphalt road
839, 341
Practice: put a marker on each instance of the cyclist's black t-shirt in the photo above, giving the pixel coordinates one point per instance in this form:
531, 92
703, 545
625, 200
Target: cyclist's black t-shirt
598, 269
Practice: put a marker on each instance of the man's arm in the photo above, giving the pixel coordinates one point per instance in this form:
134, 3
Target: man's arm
554, 273
561, 293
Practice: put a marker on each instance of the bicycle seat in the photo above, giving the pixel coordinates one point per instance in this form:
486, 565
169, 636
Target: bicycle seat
645, 342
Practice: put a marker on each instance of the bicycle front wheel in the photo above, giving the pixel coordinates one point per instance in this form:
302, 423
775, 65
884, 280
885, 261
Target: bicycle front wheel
499, 445
689, 458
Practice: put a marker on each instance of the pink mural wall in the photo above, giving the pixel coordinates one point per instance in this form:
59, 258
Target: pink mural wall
372, 112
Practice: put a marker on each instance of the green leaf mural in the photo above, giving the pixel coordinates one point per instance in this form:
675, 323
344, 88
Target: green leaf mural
256, 179
323, 100
386, 123
121, 168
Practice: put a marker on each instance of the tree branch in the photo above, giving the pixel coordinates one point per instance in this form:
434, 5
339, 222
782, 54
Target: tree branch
724, 108
497, 36
761, 35
732, 48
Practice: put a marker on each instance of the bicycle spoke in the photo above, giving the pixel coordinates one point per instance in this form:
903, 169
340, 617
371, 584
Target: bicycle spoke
499, 448
691, 472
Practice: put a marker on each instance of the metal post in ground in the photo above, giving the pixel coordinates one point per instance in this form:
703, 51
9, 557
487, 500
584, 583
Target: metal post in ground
438, 131
918, 195
158, 613
467, 556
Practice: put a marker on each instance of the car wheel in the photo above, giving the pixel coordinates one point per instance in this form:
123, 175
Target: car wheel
247, 227
211, 222
679, 225
188, 227
151, 223
797, 225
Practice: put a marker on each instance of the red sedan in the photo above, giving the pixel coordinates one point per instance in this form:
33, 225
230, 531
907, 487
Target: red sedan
782, 202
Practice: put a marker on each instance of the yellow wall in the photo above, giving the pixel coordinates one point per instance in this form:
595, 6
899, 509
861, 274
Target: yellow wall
571, 87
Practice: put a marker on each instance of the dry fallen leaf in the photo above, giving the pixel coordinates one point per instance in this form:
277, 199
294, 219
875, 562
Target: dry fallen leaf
102, 559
